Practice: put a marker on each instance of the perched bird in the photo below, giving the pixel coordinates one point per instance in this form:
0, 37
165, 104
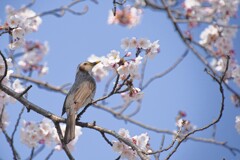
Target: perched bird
80, 95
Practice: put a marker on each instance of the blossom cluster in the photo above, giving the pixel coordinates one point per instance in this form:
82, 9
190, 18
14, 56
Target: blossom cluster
209, 10
133, 95
32, 134
128, 16
125, 66
183, 125
5, 98
34, 52
19, 23
218, 36
125, 151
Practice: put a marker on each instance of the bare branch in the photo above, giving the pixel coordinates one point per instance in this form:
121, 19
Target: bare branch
25, 91
4, 32
171, 68
36, 152
64, 146
105, 138
59, 12
170, 146
6, 68
15, 153
40, 84
188, 44
212, 123
56, 119
50, 154
150, 128
30, 4
107, 86
32, 153
17, 123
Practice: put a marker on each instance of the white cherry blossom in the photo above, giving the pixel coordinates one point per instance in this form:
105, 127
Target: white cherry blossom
237, 123
17, 86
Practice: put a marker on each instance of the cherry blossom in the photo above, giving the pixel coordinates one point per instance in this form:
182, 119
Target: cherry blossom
113, 57
32, 134
13, 21
126, 152
139, 3
4, 116
100, 71
70, 145
43, 69
5, 98
237, 125
133, 95
20, 22
236, 75
17, 86
209, 35
183, 125
128, 16
125, 43
124, 66
18, 38
2, 65
34, 53
142, 141
124, 133
152, 49
235, 100
208, 10
144, 43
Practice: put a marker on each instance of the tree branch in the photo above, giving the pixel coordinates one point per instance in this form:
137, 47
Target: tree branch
171, 68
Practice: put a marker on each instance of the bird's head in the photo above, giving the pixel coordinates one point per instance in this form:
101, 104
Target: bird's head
87, 66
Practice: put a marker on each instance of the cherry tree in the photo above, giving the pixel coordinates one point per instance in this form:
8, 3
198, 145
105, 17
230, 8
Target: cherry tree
131, 97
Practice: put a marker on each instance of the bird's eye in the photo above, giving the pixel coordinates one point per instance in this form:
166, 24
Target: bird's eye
84, 64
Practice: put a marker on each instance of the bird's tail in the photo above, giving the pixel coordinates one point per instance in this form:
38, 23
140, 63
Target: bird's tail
70, 127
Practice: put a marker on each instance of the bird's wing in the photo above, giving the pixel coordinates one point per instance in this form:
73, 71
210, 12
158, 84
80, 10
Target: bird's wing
84, 93
64, 109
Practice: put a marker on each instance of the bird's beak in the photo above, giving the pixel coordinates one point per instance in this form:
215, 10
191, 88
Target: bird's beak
94, 63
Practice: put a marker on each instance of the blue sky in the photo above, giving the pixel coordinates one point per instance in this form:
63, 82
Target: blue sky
72, 39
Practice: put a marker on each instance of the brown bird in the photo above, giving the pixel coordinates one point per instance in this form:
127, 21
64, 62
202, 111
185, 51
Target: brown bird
80, 95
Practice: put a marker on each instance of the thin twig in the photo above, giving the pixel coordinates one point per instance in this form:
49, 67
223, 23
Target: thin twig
50, 154
212, 123
59, 12
36, 152
41, 84
16, 156
64, 146
32, 153
4, 32
30, 4
17, 123
105, 138
188, 44
105, 92
6, 68
100, 99
154, 129
171, 144
171, 68
25, 91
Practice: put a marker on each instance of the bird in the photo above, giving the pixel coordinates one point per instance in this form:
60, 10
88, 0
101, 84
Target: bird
80, 95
